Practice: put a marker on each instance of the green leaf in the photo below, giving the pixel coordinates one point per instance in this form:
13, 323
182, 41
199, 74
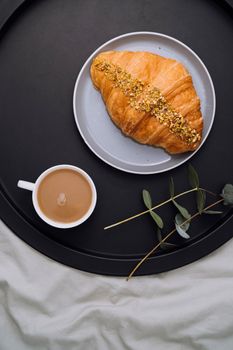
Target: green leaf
148, 203
157, 219
184, 212
181, 228
193, 177
171, 187
201, 199
179, 219
159, 235
164, 245
227, 194
181, 232
147, 199
212, 212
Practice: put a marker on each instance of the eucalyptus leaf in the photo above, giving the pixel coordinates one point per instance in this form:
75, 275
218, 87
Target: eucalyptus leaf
157, 219
167, 245
159, 235
164, 245
201, 199
148, 203
171, 187
181, 232
184, 212
227, 194
147, 199
212, 212
193, 177
179, 219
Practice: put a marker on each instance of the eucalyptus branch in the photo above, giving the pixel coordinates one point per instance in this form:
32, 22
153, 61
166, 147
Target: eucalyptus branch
183, 217
169, 235
158, 206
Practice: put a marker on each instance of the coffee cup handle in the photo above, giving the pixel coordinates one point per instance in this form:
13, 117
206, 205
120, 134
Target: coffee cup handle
26, 185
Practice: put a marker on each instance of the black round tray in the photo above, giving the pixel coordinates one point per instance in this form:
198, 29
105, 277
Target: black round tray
43, 46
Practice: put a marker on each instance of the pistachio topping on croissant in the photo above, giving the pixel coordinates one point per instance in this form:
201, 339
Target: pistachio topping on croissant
150, 98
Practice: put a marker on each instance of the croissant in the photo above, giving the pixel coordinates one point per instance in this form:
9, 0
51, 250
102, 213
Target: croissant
150, 98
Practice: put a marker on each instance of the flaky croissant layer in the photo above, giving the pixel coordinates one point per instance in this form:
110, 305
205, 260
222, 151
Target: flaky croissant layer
150, 98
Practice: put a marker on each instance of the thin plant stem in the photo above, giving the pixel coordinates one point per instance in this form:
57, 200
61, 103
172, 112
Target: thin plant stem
168, 235
148, 210
155, 207
207, 191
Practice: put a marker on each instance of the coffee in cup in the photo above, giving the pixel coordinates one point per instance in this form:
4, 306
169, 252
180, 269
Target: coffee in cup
63, 196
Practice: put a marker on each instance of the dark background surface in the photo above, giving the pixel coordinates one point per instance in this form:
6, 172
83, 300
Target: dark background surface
42, 49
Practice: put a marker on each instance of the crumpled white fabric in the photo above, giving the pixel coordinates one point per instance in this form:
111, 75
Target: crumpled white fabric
45, 305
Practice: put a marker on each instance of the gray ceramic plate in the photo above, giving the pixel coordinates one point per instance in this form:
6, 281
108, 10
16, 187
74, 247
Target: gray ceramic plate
105, 139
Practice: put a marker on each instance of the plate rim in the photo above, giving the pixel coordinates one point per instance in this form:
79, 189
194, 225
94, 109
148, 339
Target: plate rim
135, 34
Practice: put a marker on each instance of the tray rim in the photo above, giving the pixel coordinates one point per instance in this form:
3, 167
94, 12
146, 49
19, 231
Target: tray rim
51, 248
83, 261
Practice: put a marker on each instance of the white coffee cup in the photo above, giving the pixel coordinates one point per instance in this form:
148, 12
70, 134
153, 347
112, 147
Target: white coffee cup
34, 188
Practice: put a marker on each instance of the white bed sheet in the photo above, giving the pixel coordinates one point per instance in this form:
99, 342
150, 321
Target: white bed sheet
45, 305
